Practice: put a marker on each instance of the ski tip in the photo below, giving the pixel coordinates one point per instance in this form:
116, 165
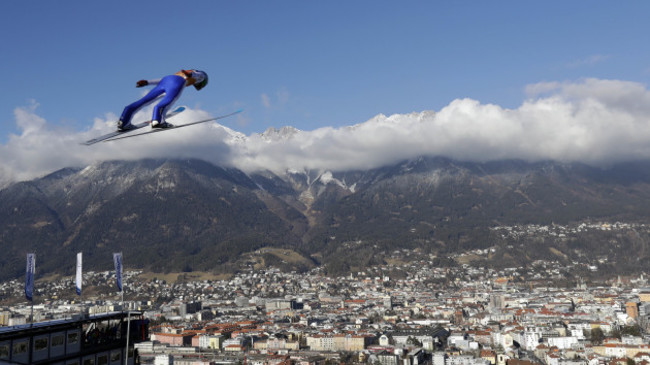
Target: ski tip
239, 111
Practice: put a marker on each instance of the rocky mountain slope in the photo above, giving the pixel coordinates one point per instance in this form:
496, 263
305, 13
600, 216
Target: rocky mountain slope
185, 215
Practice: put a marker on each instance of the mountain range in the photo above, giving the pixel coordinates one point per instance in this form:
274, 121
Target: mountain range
173, 215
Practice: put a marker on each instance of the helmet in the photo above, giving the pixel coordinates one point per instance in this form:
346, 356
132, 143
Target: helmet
201, 79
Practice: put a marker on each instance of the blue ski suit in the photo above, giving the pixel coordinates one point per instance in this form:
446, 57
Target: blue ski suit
171, 86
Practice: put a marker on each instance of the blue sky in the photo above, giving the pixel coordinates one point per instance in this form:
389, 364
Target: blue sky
308, 64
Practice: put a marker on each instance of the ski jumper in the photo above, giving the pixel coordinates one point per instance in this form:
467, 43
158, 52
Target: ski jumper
171, 86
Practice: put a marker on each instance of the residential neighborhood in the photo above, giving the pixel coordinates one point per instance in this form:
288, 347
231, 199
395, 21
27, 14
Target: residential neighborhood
461, 315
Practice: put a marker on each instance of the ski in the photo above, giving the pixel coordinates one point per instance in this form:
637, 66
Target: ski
137, 126
175, 127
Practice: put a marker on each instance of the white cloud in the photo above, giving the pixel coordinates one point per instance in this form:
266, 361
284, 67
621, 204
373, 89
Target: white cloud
281, 98
27, 120
588, 61
592, 121
266, 101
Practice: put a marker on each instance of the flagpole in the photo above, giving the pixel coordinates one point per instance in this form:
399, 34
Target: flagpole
128, 330
117, 260
79, 282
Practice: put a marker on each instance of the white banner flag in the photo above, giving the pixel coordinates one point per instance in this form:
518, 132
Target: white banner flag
79, 278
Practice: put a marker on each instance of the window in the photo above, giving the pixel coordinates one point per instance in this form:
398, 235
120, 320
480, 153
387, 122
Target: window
73, 338
102, 360
20, 347
4, 351
40, 344
89, 361
58, 340
115, 356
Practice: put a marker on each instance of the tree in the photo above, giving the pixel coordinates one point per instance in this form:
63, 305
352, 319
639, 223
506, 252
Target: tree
413, 341
634, 330
346, 357
597, 336
375, 318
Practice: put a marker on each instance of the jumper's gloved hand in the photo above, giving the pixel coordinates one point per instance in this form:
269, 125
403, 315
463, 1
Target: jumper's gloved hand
141, 83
